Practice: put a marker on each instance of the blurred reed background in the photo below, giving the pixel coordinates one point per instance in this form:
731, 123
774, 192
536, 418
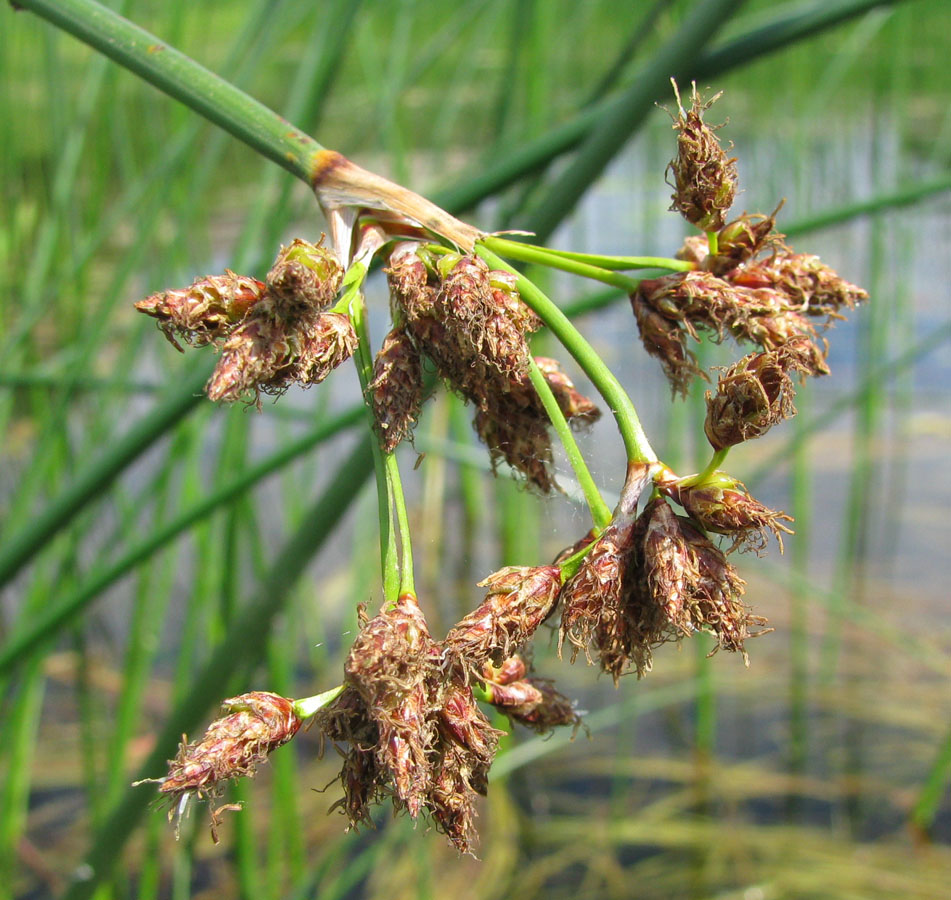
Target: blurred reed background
146, 532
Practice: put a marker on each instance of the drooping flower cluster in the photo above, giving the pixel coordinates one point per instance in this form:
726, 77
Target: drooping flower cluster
408, 724
772, 302
271, 334
407, 720
472, 324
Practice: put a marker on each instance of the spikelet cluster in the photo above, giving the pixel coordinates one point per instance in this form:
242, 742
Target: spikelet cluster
471, 323
271, 334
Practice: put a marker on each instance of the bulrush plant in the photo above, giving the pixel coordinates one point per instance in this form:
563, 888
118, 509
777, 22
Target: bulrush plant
407, 718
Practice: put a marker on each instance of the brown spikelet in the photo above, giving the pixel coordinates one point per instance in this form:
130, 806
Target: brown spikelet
233, 747
704, 176
207, 310
685, 583
594, 617
752, 395
519, 439
810, 286
396, 389
743, 240
518, 601
722, 504
392, 664
304, 276
321, 346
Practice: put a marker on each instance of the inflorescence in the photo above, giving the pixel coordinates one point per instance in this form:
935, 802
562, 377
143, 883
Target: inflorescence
407, 719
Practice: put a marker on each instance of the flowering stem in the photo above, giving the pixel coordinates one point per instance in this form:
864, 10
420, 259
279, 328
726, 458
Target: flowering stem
635, 440
713, 243
310, 706
397, 566
529, 253
597, 262
407, 582
353, 301
600, 512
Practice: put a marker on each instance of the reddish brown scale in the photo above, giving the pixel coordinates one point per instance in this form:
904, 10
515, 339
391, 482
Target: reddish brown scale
704, 177
393, 666
322, 345
594, 615
753, 394
305, 277
257, 354
549, 708
723, 505
512, 669
207, 310
452, 799
686, 583
810, 286
466, 724
522, 441
396, 389
573, 404
518, 601
743, 239
233, 746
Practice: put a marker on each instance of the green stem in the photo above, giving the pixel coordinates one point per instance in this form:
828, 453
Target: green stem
541, 256
715, 462
184, 79
713, 242
398, 576
600, 513
597, 262
570, 566
637, 446
310, 706
363, 359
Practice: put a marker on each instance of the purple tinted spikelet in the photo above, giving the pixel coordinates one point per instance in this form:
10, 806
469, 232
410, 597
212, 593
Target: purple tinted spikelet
810, 286
268, 352
685, 583
322, 345
392, 665
207, 310
574, 405
595, 617
704, 176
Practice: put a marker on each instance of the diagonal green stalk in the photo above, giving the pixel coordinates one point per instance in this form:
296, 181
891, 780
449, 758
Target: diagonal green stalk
184, 79
600, 513
792, 23
54, 617
677, 59
241, 649
637, 446
19, 548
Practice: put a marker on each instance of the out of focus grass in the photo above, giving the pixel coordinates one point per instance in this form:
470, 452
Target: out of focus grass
820, 772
